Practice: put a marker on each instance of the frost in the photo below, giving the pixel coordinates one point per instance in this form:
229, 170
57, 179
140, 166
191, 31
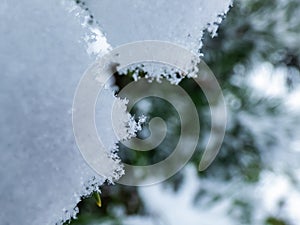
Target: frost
157, 72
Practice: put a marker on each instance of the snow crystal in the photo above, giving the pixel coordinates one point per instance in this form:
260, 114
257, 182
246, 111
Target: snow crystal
42, 58
175, 21
126, 21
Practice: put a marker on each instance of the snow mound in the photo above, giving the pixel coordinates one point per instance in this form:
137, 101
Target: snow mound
45, 47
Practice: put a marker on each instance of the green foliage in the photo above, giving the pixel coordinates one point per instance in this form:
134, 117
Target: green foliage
275, 221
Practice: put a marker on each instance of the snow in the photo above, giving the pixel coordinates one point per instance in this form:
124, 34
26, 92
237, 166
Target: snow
280, 180
268, 81
182, 23
42, 58
45, 48
168, 207
179, 208
284, 27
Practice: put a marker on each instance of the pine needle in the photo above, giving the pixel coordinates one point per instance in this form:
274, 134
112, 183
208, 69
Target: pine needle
98, 198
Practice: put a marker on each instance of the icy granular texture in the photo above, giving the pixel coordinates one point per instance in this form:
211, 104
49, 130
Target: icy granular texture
176, 21
42, 58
